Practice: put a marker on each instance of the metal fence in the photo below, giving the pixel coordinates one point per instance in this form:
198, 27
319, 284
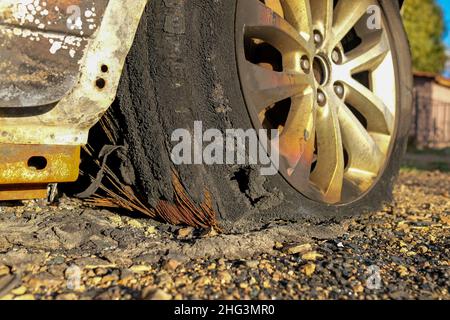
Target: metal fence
431, 126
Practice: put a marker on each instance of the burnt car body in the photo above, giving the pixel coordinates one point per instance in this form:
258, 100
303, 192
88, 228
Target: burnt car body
61, 62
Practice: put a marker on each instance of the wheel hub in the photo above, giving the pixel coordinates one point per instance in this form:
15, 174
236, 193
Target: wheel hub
321, 70
330, 83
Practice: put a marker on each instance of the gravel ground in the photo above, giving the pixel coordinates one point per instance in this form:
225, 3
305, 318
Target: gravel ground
68, 251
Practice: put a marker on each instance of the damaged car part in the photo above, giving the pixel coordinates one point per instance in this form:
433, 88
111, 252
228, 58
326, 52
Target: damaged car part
180, 89
60, 73
194, 60
26, 170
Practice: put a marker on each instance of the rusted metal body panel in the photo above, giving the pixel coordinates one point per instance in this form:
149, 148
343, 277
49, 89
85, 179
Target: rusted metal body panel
40, 164
60, 65
26, 170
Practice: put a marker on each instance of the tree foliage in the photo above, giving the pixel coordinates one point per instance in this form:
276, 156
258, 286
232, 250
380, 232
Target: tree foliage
425, 26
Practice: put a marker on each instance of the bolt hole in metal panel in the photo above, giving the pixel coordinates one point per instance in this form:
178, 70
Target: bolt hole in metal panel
37, 163
100, 83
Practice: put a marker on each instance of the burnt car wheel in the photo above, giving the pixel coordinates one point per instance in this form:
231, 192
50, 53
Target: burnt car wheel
335, 87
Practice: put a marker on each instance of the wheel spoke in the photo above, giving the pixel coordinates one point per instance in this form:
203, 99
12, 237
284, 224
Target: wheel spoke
359, 179
265, 24
298, 12
364, 154
382, 141
267, 87
297, 138
328, 175
276, 6
368, 55
322, 15
380, 119
346, 15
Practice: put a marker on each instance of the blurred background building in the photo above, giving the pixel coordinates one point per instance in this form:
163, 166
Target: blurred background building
431, 118
427, 23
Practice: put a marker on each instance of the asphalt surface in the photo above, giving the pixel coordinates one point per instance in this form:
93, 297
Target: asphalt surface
69, 251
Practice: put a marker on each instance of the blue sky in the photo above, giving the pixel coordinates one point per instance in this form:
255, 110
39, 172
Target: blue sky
445, 4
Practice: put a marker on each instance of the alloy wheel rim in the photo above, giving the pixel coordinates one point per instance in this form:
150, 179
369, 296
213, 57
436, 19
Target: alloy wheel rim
316, 72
